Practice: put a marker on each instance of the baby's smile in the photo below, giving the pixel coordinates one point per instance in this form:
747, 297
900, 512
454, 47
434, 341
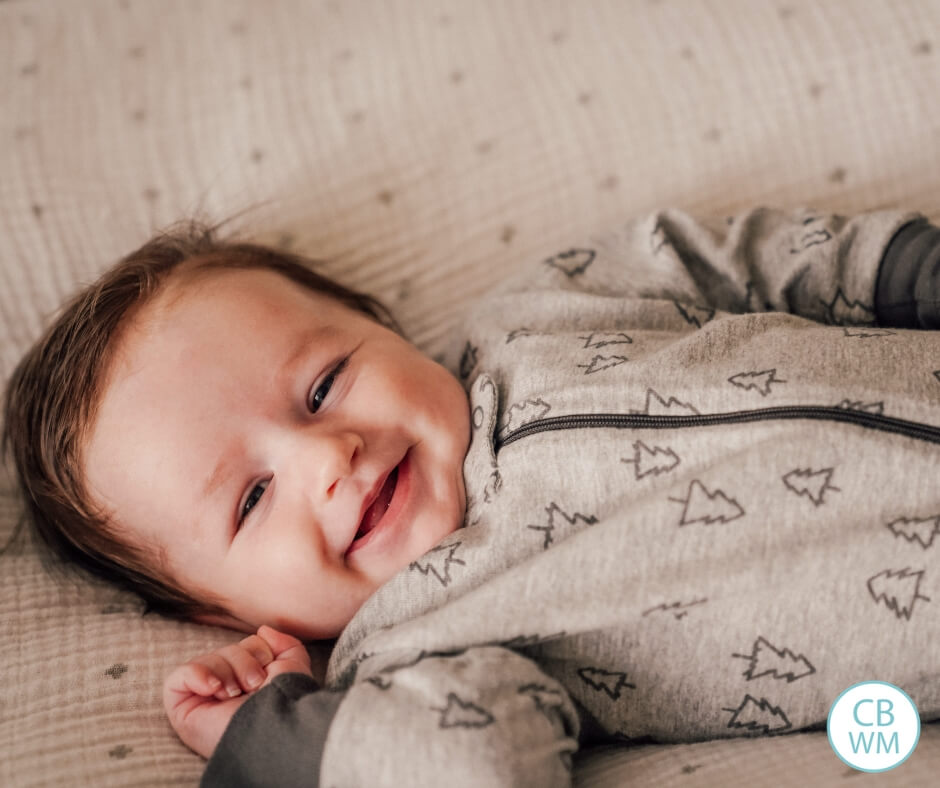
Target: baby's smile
378, 514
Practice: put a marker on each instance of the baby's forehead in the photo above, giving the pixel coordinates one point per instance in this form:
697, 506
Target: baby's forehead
219, 327
227, 292
207, 283
188, 309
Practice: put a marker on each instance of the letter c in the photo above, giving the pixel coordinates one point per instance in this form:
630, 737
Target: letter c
855, 712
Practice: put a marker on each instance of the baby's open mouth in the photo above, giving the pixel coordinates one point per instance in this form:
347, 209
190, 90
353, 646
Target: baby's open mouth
379, 506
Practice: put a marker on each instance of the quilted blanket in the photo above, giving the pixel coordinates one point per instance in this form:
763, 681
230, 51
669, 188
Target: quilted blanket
422, 150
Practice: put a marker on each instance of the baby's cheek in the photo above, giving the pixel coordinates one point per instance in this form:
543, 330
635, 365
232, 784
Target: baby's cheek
439, 410
455, 411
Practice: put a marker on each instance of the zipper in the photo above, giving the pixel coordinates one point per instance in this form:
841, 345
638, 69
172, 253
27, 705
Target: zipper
875, 421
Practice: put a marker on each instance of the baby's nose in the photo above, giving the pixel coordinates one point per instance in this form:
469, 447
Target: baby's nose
331, 457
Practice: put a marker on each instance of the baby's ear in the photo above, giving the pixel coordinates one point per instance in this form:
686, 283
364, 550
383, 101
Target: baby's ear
223, 620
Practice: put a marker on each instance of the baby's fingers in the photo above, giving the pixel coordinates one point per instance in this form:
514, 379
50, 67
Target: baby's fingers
258, 648
290, 655
204, 681
237, 667
187, 680
212, 671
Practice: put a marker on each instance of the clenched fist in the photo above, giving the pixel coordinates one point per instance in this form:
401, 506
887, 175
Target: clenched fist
201, 696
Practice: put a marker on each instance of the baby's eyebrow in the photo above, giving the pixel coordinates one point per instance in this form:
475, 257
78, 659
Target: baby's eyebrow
315, 335
222, 473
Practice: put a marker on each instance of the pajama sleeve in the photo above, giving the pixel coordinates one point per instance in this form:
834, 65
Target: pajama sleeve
487, 716
821, 266
908, 290
276, 737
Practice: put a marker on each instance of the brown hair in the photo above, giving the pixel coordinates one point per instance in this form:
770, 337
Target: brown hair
53, 394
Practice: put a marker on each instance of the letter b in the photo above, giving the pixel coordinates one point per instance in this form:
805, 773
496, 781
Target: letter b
884, 710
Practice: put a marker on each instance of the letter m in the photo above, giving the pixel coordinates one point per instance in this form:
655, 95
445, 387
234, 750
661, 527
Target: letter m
885, 746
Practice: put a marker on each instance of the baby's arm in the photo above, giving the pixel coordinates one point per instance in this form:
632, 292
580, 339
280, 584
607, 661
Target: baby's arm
201, 696
487, 716
826, 267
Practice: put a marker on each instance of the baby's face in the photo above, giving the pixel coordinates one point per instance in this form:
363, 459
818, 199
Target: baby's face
248, 424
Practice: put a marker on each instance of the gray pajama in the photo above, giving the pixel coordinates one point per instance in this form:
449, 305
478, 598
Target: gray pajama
702, 501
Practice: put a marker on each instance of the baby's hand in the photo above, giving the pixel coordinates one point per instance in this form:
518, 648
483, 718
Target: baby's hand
201, 696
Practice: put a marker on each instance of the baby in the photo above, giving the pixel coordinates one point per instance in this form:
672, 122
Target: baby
633, 503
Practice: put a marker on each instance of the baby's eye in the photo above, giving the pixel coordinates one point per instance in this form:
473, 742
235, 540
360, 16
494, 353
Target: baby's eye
323, 390
252, 500
320, 394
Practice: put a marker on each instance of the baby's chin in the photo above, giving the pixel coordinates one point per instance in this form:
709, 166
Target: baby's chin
430, 529
448, 521
424, 538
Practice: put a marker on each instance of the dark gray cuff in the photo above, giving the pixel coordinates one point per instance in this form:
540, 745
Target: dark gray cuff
276, 737
907, 292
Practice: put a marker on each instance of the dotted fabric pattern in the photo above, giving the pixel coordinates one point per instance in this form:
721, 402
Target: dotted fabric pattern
421, 151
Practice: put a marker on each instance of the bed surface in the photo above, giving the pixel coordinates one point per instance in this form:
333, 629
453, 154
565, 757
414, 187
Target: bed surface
422, 150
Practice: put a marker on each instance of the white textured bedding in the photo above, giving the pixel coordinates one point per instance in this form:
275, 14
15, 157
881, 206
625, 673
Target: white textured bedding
421, 149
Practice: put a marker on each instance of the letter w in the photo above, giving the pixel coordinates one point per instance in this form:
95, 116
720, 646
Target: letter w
861, 740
